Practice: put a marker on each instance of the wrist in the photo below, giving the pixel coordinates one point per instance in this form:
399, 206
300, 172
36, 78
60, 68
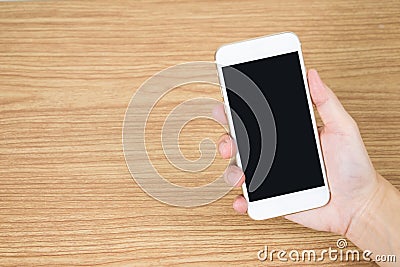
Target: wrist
375, 226
361, 220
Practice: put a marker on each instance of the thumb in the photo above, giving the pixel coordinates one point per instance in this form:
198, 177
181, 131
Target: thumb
332, 113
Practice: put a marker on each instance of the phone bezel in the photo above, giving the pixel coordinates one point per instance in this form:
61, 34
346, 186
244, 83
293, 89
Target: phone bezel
259, 48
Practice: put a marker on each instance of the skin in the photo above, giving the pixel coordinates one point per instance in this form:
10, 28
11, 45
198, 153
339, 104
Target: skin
361, 199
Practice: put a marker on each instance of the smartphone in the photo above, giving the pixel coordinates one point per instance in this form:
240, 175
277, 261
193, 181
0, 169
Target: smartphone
270, 116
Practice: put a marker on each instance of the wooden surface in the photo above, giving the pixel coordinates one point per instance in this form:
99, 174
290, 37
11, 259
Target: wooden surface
67, 72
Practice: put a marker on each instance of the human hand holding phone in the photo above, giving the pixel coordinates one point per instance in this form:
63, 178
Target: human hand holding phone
352, 178
358, 193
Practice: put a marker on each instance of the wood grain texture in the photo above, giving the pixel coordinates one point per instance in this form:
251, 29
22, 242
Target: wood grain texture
67, 72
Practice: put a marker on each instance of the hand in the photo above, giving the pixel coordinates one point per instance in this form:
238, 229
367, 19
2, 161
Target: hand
352, 178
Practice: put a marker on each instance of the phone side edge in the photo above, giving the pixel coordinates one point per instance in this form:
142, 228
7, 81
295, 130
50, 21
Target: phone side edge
218, 54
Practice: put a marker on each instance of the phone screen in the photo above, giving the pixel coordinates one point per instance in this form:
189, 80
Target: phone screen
295, 165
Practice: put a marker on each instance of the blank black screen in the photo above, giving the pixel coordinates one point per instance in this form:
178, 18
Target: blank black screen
296, 164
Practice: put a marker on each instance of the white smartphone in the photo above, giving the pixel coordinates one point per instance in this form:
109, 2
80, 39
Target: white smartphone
270, 115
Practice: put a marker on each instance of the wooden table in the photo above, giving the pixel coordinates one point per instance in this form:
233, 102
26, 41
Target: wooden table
67, 72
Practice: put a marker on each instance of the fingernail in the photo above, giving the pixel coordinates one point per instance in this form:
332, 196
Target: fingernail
233, 176
225, 147
222, 148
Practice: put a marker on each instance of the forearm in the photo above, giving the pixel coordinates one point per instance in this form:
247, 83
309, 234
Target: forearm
377, 226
